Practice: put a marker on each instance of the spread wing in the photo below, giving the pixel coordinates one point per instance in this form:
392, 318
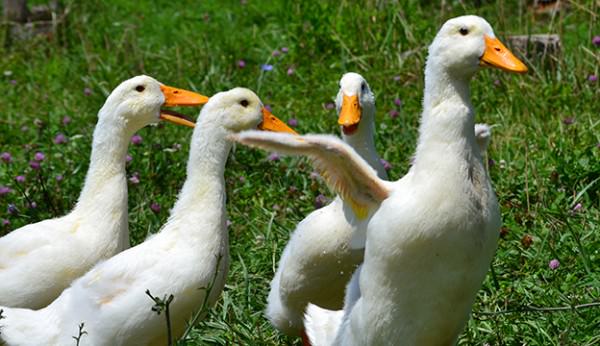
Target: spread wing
343, 169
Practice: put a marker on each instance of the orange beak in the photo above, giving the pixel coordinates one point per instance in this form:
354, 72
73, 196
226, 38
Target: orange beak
272, 123
497, 55
179, 97
350, 114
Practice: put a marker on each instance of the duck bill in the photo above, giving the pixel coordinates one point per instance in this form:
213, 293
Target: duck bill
180, 97
176, 118
350, 114
497, 55
272, 123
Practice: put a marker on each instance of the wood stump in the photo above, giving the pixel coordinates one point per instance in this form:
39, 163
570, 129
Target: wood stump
543, 49
21, 23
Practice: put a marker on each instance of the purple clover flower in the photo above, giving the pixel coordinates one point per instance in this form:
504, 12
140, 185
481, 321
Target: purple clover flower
596, 41
241, 63
273, 157
136, 140
128, 158
39, 156
293, 122
87, 91
569, 121
5, 190
34, 165
12, 209
268, 107
329, 105
135, 178
394, 114
592, 78
266, 67
397, 78
285, 49
5, 222
155, 207
32, 205
59, 178
290, 71
554, 264
6, 157
577, 207
13, 82
386, 165
66, 120
20, 179
276, 52
60, 139
398, 102
320, 201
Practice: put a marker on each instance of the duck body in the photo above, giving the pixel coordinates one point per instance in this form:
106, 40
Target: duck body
33, 274
111, 302
319, 260
188, 258
39, 260
443, 222
313, 259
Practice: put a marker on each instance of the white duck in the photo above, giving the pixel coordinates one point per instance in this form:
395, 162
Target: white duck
189, 254
317, 262
38, 261
432, 234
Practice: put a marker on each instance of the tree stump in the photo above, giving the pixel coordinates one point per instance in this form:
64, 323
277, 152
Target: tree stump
22, 24
543, 49
15, 10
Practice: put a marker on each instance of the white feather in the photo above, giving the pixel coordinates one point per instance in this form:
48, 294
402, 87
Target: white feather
38, 261
188, 258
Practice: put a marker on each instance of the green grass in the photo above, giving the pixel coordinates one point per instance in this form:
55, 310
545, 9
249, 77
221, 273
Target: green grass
543, 166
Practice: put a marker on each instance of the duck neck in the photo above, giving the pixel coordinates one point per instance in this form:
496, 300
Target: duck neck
447, 123
202, 197
105, 183
363, 141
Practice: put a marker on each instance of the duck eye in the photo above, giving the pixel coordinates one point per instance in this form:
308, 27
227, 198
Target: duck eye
244, 103
140, 88
363, 87
463, 31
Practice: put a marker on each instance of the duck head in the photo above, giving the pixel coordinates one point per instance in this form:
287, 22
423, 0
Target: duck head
240, 109
466, 43
355, 103
137, 102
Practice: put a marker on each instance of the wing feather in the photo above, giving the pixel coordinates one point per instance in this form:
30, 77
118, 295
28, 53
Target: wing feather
344, 171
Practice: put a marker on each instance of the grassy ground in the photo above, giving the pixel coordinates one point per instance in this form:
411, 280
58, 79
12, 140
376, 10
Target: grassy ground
544, 156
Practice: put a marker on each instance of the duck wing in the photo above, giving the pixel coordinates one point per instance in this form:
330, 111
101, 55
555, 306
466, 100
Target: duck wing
344, 171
